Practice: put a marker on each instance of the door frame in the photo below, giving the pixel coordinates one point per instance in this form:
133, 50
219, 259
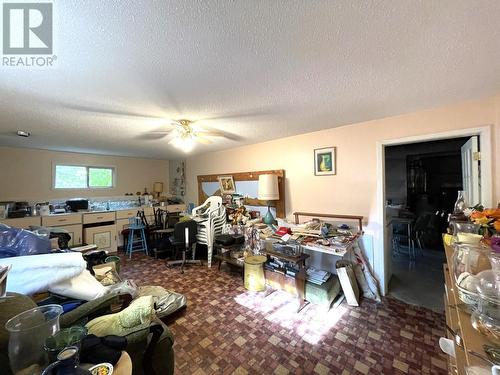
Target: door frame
382, 265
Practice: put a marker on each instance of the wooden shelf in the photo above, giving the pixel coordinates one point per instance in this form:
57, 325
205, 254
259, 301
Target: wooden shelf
460, 321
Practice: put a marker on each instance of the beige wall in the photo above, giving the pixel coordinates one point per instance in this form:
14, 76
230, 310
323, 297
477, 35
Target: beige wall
353, 189
26, 174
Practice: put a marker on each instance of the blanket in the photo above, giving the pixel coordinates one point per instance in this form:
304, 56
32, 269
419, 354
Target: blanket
36, 273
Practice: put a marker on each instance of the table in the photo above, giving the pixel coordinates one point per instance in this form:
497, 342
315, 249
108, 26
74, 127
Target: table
226, 256
300, 277
409, 227
122, 367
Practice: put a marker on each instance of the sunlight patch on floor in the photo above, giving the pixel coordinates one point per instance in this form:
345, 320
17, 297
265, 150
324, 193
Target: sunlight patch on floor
312, 323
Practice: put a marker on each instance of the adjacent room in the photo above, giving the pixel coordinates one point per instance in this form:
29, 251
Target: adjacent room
250, 187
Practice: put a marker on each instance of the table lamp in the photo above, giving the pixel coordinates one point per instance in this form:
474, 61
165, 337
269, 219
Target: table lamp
268, 191
158, 188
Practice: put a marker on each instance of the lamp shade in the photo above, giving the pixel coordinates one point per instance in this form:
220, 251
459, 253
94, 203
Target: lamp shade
158, 187
268, 187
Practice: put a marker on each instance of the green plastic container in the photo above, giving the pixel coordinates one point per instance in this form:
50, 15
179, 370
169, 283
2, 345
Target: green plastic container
114, 259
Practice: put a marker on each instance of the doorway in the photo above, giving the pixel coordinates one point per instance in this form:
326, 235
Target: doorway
422, 181
382, 260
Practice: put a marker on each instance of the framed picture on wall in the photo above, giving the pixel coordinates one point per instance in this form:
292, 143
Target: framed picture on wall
226, 184
325, 161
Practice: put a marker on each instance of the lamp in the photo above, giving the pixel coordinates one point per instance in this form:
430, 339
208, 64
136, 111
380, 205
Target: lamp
158, 188
268, 191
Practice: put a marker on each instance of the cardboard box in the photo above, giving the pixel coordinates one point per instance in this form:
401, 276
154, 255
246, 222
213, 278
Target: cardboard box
348, 282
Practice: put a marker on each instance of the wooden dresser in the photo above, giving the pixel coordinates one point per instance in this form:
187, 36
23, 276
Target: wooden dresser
459, 321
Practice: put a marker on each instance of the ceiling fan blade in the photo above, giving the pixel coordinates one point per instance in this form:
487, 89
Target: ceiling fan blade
219, 133
202, 140
256, 112
152, 136
110, 112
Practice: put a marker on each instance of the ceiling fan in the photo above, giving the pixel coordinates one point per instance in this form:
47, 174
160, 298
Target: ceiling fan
185, 135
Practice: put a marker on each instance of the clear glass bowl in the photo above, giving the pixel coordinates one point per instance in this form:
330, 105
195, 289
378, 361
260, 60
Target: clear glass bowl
486, 317
467, 262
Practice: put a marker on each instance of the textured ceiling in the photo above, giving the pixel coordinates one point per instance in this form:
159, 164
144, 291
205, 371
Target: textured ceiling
256, 69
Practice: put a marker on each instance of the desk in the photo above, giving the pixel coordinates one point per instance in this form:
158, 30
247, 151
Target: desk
300, 277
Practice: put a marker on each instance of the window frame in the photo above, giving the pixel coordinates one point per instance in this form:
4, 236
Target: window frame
87, 166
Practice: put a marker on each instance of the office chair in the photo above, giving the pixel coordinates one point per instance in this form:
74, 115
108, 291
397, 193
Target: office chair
184, 239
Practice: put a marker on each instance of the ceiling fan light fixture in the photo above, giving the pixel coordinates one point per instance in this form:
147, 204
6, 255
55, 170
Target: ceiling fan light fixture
184, 142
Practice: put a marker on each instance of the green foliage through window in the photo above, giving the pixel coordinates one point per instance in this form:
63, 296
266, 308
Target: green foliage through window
83, 177
100, 177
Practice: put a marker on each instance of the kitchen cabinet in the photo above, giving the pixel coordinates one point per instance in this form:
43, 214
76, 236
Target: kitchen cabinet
22, 222
175, 208
61, 220
125, 214
76, 233
99, 217
71, 222
121, 224
103, 236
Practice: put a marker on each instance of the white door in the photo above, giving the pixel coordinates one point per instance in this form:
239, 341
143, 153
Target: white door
470, 171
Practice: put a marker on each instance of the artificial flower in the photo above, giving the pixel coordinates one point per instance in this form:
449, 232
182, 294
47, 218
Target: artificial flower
482, 220
477, 215
496, 225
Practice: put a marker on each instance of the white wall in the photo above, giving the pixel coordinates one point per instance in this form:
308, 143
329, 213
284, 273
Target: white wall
26, 174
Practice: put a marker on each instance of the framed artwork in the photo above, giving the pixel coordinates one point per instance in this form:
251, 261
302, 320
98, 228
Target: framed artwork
325, 161
226, 184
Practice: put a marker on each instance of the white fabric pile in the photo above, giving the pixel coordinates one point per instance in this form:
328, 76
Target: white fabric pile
63, 274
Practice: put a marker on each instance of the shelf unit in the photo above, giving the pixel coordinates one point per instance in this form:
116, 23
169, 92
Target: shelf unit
459, 321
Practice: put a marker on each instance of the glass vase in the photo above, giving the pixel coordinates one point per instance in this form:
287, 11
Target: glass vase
460, 203
27, 333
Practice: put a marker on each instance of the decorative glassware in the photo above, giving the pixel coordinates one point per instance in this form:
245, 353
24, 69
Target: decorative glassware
466, 232
27, 333
460, 203
65, 337
486, 318
467, 261
67, 363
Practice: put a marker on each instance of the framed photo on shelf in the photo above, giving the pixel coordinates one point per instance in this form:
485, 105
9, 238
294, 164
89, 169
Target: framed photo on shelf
226, 184
325, 161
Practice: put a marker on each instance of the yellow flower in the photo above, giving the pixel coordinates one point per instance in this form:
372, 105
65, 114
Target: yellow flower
482, 221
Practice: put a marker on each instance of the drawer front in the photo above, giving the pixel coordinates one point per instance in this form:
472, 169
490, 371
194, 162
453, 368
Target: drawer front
176, 207
125, 214
22, 222
98, 217
56, 221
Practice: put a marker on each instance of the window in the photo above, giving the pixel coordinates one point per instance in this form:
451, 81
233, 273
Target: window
83, 177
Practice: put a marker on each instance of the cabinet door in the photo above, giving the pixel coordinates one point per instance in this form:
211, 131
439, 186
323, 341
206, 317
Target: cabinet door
104, 237
75, 231
121, 224
22, 222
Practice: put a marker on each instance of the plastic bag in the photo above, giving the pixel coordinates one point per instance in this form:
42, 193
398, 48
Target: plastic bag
16, 242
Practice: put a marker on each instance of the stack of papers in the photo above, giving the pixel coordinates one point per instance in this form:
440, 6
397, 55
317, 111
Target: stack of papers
317, 276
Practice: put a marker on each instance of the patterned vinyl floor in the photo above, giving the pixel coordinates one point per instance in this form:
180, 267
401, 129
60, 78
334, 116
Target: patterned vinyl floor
227, 330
